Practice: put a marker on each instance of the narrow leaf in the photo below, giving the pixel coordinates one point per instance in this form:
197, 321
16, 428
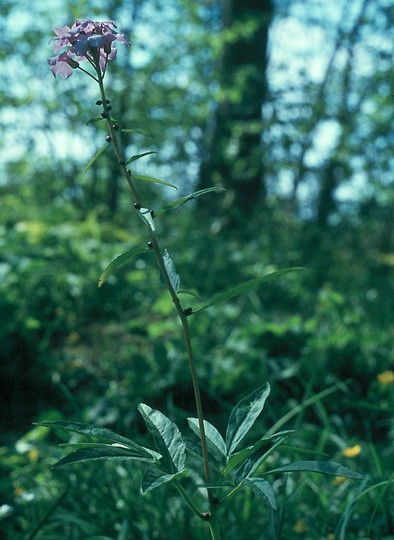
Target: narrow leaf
322, 467
138, 156
94, 120
145, 178
263, 489
252, 466
171, 271
194, 448
167, 437
96, 155
100, 433
189, 292
215, 441
138, 132
119, 261
182, 200
245, 287
154, 477
242, 455
108, 452
243, 416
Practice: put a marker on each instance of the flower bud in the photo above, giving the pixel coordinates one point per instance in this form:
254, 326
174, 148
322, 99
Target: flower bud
73, 63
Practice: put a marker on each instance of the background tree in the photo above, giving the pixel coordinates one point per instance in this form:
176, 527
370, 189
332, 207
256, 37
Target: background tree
233, 147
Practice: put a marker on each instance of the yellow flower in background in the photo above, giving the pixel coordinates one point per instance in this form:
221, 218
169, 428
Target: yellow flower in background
339, 480
300, 527
386, 377
33, 454
352, 451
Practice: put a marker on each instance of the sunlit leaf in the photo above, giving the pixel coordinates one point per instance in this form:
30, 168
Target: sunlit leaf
171, 271
138, 156
146, 216
243, 416
245, 287
322, 467
119, 261
167, 437
96, 155
179, 202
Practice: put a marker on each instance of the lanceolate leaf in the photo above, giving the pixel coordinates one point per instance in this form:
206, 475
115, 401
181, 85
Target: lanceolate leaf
145, 178
96, 155
138, 132
215, 441
322, 467
171, 271
138, 156
245, 287
167, 437
244, 415
252, 466
108, 452
179, 202
242, 455
263, 489
94, 120
119, 261
154, 478
101, 433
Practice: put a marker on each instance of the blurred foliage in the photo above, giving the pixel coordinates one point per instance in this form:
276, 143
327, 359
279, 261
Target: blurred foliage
71, 350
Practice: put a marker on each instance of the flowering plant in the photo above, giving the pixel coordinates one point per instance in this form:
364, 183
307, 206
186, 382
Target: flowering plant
226, 465
86, 40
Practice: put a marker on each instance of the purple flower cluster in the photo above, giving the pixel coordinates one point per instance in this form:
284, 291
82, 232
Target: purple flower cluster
87, 40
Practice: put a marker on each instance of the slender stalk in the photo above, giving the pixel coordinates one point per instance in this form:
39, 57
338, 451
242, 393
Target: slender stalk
212, 521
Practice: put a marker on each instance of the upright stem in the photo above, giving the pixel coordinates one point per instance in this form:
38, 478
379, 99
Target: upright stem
181, 314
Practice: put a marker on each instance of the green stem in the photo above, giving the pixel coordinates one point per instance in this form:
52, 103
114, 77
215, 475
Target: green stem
214, 528
182, 316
